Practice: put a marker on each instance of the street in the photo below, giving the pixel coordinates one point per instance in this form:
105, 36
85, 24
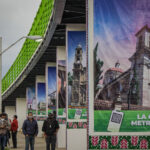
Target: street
39, 143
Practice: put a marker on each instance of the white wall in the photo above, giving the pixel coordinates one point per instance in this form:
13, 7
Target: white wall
61, 136
40, 123
77, 139
21, 110
11, 111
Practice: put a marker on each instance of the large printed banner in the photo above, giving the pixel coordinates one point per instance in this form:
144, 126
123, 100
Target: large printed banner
41, 98
133, 121
31, 100
119, 65
61, 87
76, 72
51, 88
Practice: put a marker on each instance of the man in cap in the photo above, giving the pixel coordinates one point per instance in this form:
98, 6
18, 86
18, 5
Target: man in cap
50, 129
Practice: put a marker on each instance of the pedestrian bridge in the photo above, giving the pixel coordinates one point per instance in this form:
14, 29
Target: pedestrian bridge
50, 23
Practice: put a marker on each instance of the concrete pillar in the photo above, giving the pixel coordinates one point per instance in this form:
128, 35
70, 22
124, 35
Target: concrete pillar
76, 138
21, 110
40, 124
11, 111
61, 136
39, 79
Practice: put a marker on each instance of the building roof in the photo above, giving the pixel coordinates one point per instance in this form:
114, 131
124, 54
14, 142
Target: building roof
118, 78
143, 28
115, 69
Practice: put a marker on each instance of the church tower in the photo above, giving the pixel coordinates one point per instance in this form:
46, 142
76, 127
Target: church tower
78, 98
140, 69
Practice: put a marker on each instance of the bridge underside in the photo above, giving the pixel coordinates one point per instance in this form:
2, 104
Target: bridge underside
74, 13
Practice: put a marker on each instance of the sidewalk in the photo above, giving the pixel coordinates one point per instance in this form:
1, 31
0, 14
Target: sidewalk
39, 143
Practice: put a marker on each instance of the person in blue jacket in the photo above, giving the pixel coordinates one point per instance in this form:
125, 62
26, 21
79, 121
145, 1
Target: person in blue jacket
30, 130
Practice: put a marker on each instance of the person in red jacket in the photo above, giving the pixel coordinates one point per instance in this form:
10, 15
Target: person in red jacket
14, 128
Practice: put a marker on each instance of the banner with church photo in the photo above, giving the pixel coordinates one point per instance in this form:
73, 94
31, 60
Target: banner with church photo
61, 87
41, 98
31, 100
119, 65
76, 72
51, 87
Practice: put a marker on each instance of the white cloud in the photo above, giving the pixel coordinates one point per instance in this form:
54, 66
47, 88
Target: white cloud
111, 50
16, 20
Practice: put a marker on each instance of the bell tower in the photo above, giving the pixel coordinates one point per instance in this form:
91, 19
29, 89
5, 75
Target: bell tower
78, 73
140, 70
143, 37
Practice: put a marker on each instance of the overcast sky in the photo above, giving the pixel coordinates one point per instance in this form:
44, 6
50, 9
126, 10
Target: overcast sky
16, 17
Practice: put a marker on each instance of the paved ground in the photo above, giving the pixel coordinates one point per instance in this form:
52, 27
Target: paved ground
39, 143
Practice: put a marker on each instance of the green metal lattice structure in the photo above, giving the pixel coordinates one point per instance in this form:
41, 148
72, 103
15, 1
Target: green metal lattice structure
39, 27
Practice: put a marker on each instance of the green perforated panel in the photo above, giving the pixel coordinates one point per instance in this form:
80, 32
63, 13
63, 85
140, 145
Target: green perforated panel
39, 27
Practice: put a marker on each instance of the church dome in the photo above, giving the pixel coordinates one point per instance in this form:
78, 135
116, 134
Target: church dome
79, 46
112, 73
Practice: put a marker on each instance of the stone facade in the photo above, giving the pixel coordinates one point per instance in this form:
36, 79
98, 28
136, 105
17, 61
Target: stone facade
133, 85
79, 79
52, 99
109, 105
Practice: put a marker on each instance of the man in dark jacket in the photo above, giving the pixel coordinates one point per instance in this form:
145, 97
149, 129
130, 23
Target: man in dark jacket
30, 130
50, 129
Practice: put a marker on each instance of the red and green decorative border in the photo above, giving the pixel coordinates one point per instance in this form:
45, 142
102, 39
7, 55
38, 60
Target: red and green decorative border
76, 125
61, 120
119, 142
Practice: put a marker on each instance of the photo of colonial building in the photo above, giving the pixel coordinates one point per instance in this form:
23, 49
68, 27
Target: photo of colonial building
131, 87
31, 99
41, 105
61, 83
52, 99
78, 87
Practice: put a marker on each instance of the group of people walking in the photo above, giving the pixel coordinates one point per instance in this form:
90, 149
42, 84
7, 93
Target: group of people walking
8, 129
29, 129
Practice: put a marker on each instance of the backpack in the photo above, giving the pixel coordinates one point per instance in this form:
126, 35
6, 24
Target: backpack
50, 126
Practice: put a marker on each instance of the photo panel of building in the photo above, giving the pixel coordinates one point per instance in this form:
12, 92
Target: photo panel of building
76, 72
52, 86
118, 58
41, 98
119, 51
31, 100
61, 86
